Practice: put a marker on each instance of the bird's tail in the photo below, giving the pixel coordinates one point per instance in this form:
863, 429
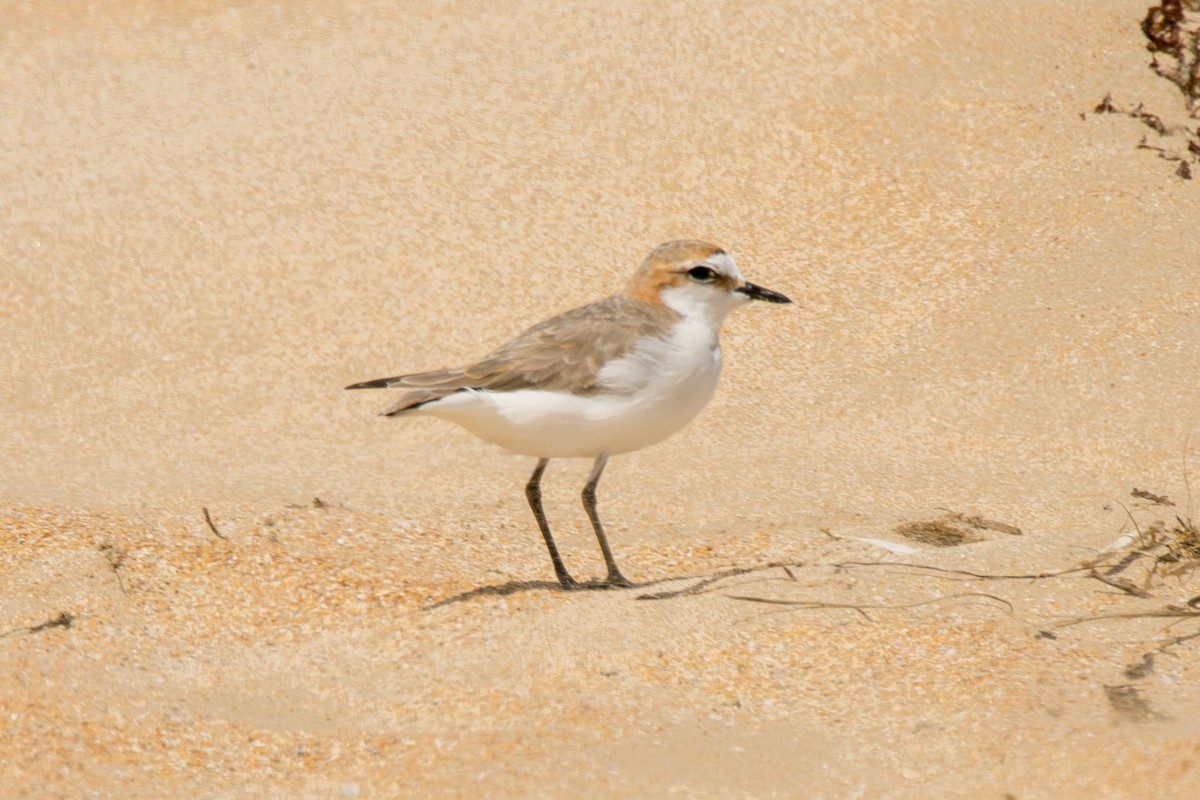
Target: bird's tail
378, 383
424, 387
411, 401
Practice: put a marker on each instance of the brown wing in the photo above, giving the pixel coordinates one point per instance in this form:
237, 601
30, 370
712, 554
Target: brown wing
562, 353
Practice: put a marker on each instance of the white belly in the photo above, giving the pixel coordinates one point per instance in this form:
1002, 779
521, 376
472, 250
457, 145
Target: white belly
649, 395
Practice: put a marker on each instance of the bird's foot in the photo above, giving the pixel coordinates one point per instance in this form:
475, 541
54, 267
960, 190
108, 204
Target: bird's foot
616, 580
567, 583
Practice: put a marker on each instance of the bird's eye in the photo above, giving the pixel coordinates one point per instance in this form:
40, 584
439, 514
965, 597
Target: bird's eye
702, 274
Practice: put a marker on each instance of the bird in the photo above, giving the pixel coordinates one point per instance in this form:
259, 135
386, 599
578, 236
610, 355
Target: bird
606, 378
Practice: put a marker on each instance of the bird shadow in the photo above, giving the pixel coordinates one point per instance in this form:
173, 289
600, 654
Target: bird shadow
703, 583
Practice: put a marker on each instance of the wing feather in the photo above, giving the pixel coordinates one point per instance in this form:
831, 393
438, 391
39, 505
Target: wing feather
563, 353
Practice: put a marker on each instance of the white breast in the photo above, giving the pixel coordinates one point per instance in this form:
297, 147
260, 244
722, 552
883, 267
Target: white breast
678, 365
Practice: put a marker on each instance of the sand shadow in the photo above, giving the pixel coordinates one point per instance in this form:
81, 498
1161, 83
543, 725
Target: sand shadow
704, 582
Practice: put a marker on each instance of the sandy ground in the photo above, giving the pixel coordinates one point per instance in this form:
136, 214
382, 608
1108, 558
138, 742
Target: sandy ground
215, 216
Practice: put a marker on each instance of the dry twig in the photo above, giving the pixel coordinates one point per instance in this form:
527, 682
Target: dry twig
64, 620
1156, 499
116, 557
211, 526
862, 608
1120, 583
977, 575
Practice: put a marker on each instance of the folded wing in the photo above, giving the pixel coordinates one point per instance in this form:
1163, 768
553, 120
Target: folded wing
563, 353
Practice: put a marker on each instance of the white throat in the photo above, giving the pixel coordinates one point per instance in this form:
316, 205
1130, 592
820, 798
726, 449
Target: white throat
702, 303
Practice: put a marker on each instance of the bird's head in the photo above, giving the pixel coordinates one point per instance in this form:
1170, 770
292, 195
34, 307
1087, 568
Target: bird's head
697, 280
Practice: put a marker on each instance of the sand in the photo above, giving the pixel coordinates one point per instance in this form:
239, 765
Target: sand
214, 215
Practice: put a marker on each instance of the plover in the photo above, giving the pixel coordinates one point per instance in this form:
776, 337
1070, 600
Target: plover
606, 378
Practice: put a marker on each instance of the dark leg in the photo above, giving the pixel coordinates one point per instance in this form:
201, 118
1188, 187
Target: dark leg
615, 578
533, 493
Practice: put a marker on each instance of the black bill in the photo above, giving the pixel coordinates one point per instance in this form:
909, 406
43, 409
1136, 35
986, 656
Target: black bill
759, 293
